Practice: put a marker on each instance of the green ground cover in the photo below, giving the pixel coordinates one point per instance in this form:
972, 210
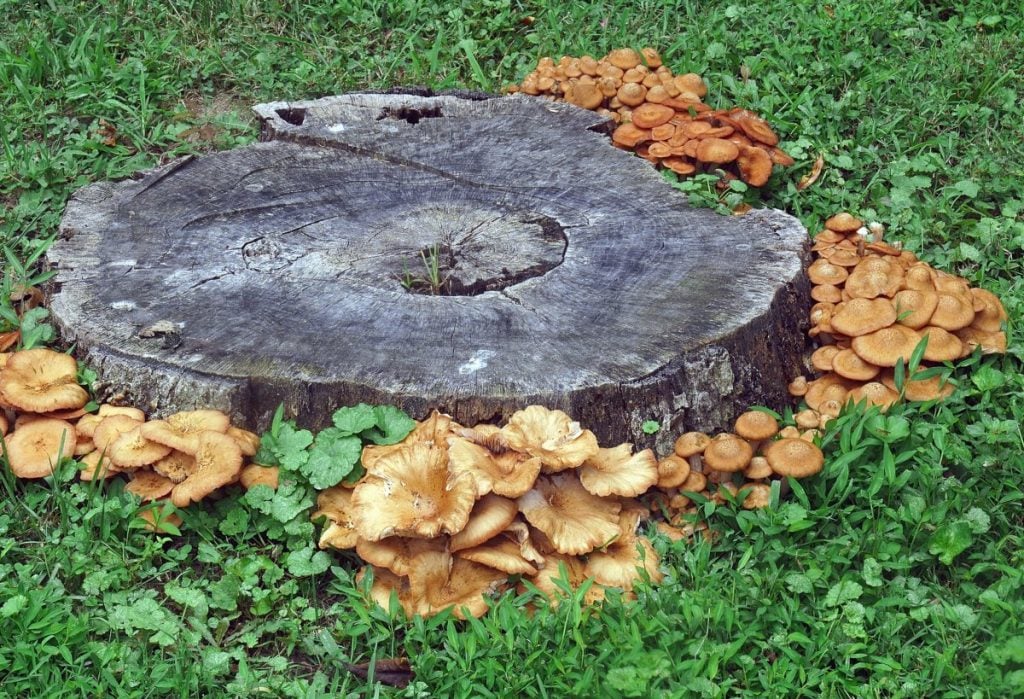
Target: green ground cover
898, 572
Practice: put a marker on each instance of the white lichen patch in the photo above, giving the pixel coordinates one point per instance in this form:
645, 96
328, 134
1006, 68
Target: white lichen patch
476, 362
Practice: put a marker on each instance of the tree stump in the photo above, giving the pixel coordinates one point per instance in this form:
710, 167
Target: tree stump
470, 255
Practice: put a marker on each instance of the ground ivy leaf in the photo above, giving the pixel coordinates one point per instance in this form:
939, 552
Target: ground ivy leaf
950, 540
355, 419
307, 562
13, 606
331, 459
291, 447
393, 425
978, 520
235, 522
845, 591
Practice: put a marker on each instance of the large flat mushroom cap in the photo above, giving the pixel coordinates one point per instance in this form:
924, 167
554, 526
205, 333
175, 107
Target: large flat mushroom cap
575, 520
218, 463
41, 380
490, 516
552, 436
33, 450
437, 582
412, 492
618, 471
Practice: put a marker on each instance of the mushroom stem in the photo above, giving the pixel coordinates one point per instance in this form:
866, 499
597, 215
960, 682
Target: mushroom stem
696, 463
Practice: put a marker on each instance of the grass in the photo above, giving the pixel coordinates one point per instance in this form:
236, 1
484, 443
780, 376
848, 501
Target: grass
896, 573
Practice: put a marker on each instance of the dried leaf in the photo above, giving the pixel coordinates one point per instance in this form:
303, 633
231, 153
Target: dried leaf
394, 672
812, 176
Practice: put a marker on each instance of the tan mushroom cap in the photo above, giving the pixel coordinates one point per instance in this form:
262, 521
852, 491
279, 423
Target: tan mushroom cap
86, 425
868, 281
501, 553
648, 115
629, 135
110, 429
149, 485
849, 365
550, 435
953, 311
672, 471
826, 293
728, 453
624, 58
694, 483
914, 307
575, 520
413, 493
690, 443
181, 431
490, 516
41, 380
821, 358
33, 450
831, 386
990, 343
651, 57
585, 95
886, 346
797, 387
559, 570
717, 150
436, 583
631, 94
758, 495
807, 418
843, 222
860, 316
794, 457
680, 166
4, 425
248, 442
95, 464
756, 425
875, 393
258, 474
755, 165
821, 271
108, 410
932, 388
218, 463
177, 466
989, 311
131, 450
394, 553
758, 468
385, 585
618, 471
943, 346
335, 503
626, 560
505, 472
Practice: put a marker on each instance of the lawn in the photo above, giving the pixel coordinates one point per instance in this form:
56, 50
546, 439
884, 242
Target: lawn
897, 572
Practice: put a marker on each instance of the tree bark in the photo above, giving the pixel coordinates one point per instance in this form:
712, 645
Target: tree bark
302, 270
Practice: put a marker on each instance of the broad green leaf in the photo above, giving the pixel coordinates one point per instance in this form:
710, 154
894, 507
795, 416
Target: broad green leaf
950, 540
307, 562
393, 425
355, 419
331, 459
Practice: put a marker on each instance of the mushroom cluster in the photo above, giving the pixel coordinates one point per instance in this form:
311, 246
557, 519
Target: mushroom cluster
742, 462
661, 116
450, 513
874, 304
183, 458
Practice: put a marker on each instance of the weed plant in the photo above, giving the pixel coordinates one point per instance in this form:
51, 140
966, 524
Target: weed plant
895, 573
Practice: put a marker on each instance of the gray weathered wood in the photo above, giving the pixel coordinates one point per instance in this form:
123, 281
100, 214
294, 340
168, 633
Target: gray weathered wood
273, 272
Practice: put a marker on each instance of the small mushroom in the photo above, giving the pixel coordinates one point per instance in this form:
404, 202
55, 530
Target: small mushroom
794, 457
149, 485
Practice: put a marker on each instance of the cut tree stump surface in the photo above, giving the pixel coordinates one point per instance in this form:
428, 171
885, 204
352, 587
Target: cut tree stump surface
572, 274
